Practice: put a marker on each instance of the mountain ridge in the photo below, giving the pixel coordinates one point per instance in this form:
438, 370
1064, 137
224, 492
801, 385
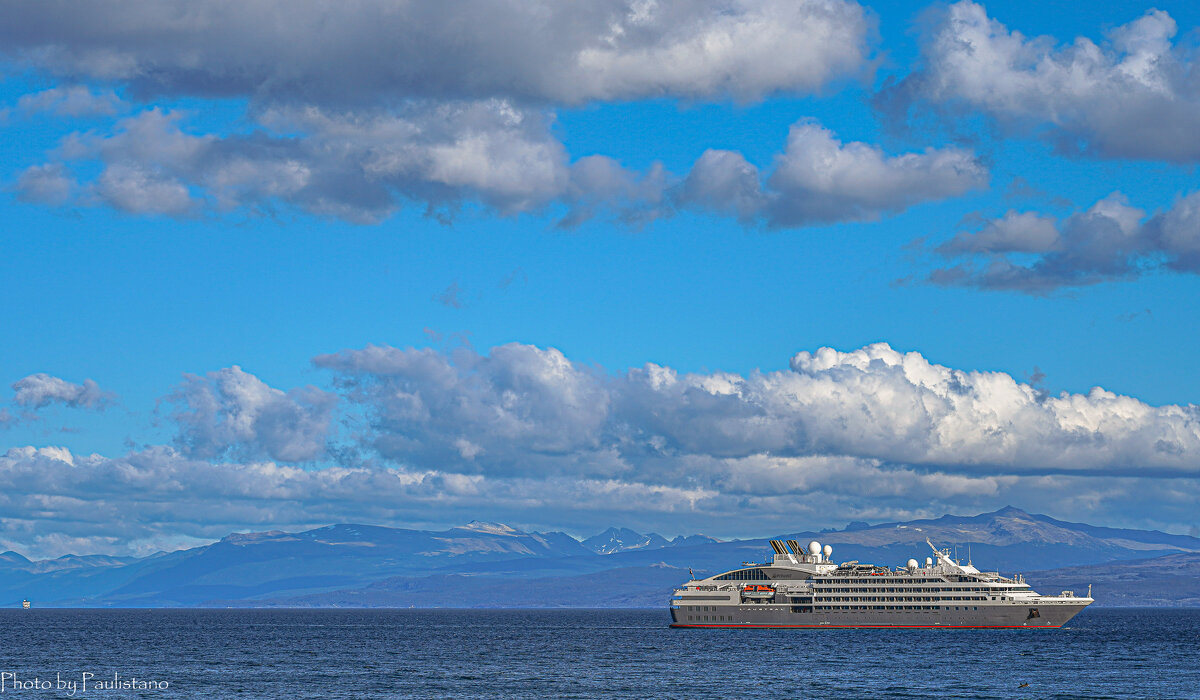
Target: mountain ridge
265, 568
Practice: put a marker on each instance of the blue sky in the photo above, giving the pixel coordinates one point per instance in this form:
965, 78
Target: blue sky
486, 193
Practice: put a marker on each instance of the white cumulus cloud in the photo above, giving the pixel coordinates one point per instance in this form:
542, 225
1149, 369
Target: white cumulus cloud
819, 179
1111, 240
231, 411
41, 390
1132, 96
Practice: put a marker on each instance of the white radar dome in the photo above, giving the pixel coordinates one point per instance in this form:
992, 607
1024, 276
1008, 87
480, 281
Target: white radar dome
928, 561
814, 548
827, 550
912, 563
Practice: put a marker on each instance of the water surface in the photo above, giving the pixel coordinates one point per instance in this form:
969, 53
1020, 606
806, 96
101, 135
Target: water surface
1132, 653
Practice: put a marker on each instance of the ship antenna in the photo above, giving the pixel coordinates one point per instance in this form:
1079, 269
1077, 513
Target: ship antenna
968, 554
690, 574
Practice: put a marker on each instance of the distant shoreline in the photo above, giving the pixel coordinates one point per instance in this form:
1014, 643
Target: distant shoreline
1091, 608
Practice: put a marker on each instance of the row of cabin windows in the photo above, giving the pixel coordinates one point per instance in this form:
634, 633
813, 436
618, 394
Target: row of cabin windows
840, 608
714, 608
969, 585
932, 599
835, 588
744, 575
876, 579
758, 574
836, 608
964, 594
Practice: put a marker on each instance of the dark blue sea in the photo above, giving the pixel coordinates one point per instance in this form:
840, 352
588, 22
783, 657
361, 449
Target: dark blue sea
579, 654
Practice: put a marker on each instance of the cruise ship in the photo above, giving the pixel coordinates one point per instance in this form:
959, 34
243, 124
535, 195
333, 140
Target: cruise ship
804, 588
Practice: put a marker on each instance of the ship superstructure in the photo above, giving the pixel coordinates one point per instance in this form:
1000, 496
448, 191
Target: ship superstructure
804, 588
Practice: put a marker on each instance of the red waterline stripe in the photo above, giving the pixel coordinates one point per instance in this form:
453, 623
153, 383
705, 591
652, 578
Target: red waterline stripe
973, 627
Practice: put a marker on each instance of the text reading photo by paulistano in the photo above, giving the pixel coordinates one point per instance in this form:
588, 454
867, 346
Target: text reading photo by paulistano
72, 684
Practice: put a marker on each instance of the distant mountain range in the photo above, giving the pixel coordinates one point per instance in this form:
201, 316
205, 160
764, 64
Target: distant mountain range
622, 539
495, 565
1170, 581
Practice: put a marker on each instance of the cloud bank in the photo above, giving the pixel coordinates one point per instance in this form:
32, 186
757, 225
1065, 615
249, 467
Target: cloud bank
58, 502
1133, 96
522, 409
1037, 254
525, 434
356, 109
356, 53
361, 167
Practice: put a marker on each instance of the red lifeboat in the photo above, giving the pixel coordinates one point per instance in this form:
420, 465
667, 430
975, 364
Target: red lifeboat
755, 591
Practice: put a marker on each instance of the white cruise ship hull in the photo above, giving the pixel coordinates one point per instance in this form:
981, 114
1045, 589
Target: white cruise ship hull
1039, 616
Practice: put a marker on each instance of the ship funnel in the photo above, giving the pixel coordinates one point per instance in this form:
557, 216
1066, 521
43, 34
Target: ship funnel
782, 551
